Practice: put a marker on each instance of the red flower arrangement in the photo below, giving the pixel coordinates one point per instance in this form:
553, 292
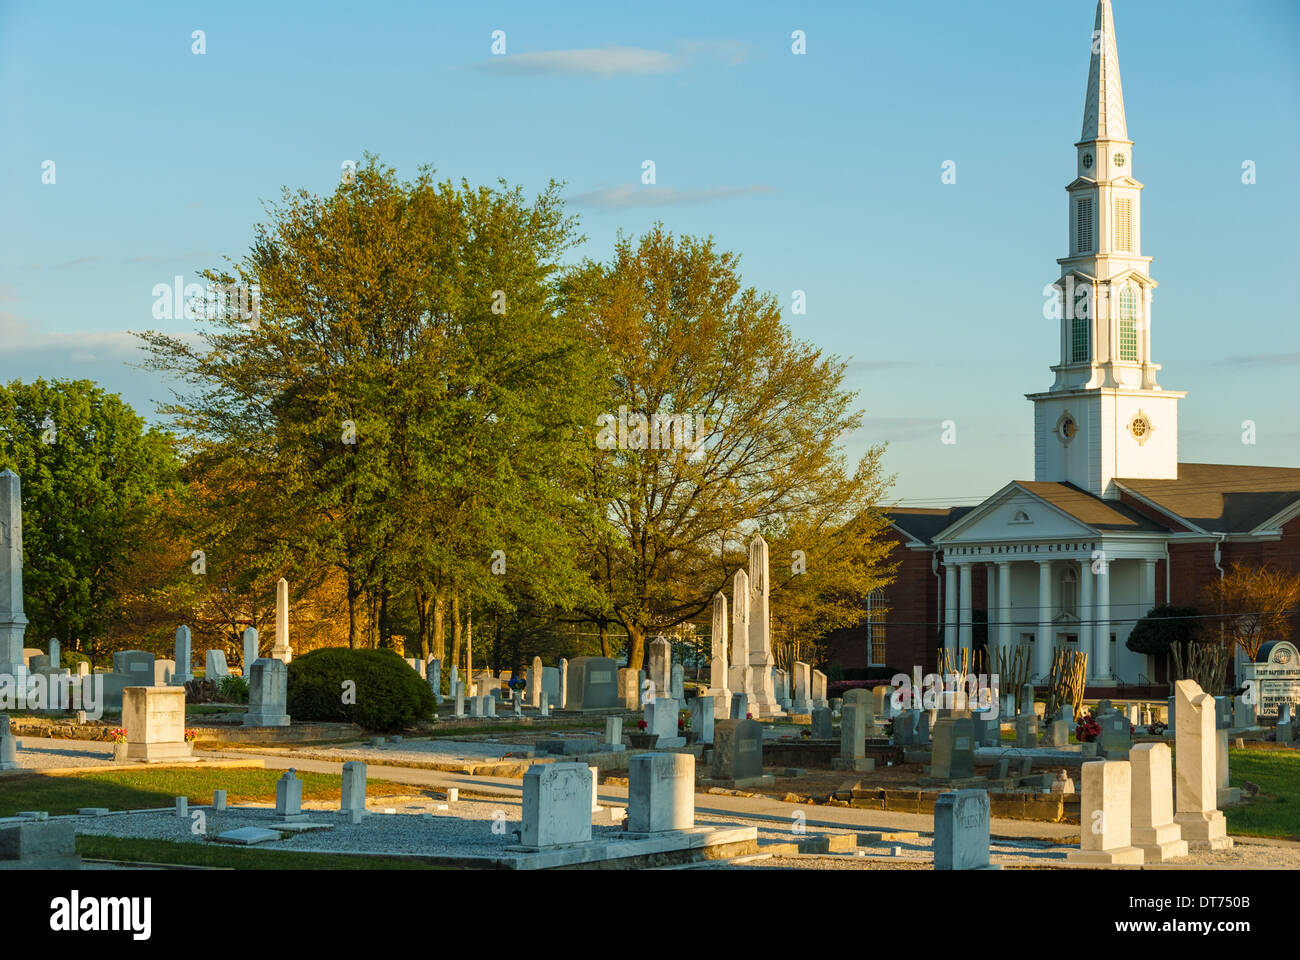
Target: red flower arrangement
1088, 729
641, 725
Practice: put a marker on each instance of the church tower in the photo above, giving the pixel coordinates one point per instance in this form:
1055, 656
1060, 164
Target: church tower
1105, 416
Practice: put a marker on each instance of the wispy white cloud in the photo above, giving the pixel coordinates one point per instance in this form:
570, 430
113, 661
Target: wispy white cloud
613, 61
624, 197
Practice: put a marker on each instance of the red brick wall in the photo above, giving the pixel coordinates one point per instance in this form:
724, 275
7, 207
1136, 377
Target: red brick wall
910, 625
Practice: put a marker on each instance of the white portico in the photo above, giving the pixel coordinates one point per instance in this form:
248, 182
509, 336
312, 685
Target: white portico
1062, 569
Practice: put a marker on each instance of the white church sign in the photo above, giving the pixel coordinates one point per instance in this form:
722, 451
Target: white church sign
1277, 677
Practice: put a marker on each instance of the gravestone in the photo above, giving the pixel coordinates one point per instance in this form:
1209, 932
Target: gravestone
545, 708
250, 652
557, 804
1114, 741
1058, 734
961, 829
433, 673
1027, 730
1225, 794
819, 689
1153, 829
822, 728
1026, 698
953, 754
985, 728
781, 687
288, 795
131, 668
702, 719
923, 720
183, 672
1066, 715
559, 687
38, 844
660, 792
738, 750
13, 622
802, 687
1243, 714
880, 702
490, 704
660, 664
163, 672
613, 734
215, 667
719, 689
460, 696
281, 650
629, 691
1203, 826
592, 684
739, 706
8, 745
905, 728
268, 690
1105, 815
477, 707
678, 683
661, 719
154, 718
535, 683
853, 739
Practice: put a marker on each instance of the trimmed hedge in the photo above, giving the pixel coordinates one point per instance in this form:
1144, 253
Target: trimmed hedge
389, 694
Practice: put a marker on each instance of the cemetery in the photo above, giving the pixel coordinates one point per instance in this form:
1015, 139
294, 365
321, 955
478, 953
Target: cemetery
576, 768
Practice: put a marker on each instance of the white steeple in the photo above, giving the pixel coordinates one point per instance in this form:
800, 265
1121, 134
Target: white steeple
1103, 109
1105, 416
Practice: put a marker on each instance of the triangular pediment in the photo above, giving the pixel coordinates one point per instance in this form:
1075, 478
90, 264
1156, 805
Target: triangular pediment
1014, 513
1080, 183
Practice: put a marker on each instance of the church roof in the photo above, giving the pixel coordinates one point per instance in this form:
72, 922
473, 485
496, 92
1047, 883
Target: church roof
1103, 515
922, 524
1103, 109
1222, 498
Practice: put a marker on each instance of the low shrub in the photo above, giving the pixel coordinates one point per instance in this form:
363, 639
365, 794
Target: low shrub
388, 695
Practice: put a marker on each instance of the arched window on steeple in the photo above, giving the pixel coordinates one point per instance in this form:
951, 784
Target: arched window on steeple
1128, 316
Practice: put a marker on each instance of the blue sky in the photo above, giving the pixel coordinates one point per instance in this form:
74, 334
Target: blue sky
823, 171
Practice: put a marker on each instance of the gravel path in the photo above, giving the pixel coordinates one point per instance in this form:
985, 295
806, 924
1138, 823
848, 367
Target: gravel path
46, 754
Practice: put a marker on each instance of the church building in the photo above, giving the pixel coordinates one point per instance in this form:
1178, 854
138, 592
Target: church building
1112, 524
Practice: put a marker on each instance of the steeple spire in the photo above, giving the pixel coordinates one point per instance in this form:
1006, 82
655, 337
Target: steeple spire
1103, 110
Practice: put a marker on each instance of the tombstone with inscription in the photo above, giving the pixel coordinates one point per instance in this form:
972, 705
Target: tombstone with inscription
215, 668
802, 688
268, 687
1115, 740
822, 728
592, 684
738, 750
953, 755
183, 657
131, 668
961, 830
1105, 812
702, 718
154, 718
660, 792
905, 728
1202, 823
853, 739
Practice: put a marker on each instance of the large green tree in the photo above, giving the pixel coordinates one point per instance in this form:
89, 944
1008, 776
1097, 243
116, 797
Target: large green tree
718, 423
402, 404
92, 475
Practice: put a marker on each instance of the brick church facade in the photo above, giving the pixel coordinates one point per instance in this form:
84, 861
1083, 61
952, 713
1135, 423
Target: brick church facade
1113, 524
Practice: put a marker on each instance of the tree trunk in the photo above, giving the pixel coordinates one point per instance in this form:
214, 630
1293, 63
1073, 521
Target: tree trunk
455, 634
635, 645
422, 611
604, 638
439, 626
354, 628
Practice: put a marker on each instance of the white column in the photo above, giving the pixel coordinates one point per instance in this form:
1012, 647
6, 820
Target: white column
1148, 587
1043, 639
1102, 629
964, 609
1004, 607
991, 631
949, 606
1086, 616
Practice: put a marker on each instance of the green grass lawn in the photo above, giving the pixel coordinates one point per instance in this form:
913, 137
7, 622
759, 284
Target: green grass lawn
160, 786
237, 858
1276, 811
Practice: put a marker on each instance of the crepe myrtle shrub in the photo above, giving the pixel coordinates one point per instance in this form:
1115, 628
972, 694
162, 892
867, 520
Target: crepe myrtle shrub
389, 695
